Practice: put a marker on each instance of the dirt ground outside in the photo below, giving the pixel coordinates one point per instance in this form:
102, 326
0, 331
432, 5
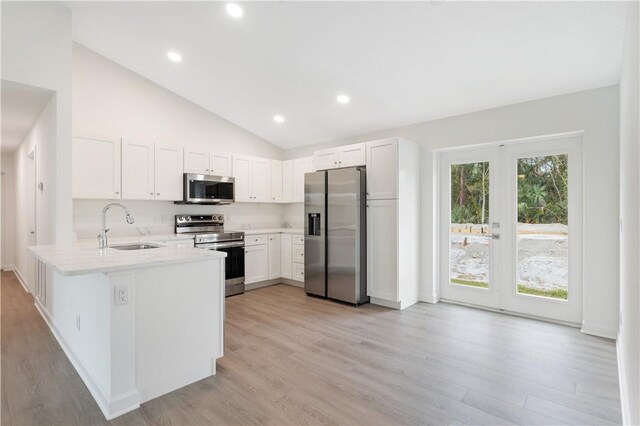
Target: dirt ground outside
543, 255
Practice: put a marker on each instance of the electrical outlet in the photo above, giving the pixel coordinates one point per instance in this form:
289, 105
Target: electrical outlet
122, 295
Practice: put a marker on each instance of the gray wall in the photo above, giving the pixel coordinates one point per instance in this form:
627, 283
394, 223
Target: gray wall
596, 113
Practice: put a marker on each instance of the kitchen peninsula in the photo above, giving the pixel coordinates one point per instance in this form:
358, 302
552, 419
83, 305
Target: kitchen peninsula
137, 319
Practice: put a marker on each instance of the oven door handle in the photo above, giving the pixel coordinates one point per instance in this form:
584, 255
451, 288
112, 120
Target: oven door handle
213, 246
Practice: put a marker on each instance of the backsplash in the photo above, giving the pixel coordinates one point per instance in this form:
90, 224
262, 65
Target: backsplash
157, 217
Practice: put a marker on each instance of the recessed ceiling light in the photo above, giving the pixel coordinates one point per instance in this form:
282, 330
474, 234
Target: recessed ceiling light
278, 119
174, 56
343, 99
234, 10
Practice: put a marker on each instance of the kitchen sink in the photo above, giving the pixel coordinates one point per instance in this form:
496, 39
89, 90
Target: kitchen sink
136, 246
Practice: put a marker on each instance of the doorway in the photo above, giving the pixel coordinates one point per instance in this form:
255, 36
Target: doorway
31, 229
511, 227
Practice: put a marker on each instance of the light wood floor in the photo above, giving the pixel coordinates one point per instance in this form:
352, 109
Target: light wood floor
293, 359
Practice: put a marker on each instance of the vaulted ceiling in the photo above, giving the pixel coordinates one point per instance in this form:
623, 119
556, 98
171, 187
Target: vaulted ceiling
399, 62
21, 107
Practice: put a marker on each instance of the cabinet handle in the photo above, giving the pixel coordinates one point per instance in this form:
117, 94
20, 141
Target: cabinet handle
117, 192
151, 193
157, 193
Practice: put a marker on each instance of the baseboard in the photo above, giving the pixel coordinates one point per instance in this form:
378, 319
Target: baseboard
429, 298
624, 396
385, 303
111, 408
21, 280
599, 330
8, 268
268, 283
515, 314
291, 282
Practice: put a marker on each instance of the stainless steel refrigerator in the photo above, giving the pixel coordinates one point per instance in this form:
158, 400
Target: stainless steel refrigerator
335, 234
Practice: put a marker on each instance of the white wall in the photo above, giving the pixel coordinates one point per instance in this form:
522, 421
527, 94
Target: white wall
42, 136
36, 50
111, 102
8, 211
157, 217
629, 336
595, 112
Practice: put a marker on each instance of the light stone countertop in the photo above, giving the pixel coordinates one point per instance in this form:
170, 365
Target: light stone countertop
257, 231
85, 257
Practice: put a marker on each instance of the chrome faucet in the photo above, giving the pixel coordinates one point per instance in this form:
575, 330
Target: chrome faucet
102, 238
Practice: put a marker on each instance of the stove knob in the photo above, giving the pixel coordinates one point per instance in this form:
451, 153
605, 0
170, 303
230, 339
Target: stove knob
180, 218
187, 218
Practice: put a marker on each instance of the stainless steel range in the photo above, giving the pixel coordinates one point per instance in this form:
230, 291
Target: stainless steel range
209, 234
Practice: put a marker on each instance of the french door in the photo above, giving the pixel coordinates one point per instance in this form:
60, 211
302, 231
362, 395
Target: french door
510, 224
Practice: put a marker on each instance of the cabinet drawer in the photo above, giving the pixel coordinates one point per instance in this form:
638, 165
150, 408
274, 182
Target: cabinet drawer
298, 272
254, 240
298, 239
298, 254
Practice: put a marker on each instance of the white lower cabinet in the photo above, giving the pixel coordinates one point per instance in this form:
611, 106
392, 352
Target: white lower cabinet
382, 250
256, 263
286, 259
298, 258
298, 272
275, 254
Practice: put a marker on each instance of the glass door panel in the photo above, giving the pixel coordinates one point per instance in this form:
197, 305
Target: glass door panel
505, 215
469, 237
542, 232
468, 208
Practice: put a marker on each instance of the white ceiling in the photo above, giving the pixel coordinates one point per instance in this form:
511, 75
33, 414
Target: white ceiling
21, 107
400, 63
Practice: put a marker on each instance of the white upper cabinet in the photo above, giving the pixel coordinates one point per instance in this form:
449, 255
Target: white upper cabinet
287, 181
352, 155
261, 179
382, 169
342, 156
207, 162
138, 170
242, 175
220, 163
326, 159
169, 167
96, 168
276, 181
196, 161
300, 167
252, 178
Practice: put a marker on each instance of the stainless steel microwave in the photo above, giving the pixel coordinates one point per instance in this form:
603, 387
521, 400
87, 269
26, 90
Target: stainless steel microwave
205, 189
